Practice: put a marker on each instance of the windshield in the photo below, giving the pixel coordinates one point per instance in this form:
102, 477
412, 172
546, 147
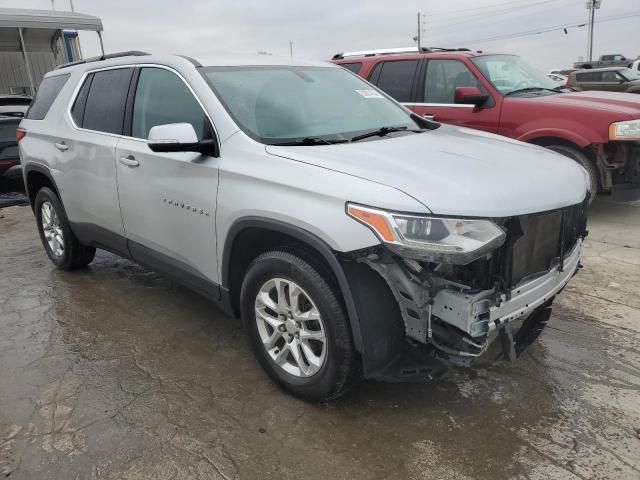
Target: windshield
630, 74
277, 104
508, 73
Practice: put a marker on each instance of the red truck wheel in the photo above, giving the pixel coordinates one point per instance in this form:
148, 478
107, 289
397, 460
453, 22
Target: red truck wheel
583, 160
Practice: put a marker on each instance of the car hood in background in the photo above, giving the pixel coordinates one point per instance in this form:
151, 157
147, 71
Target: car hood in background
621, 105
456, 171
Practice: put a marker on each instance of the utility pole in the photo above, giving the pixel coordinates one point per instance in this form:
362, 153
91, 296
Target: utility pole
418, 38
291, 48
592, 6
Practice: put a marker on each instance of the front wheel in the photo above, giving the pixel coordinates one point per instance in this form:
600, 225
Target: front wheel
583, 160
297, 326
61, 245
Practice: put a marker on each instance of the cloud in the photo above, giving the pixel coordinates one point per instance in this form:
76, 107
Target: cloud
319, 29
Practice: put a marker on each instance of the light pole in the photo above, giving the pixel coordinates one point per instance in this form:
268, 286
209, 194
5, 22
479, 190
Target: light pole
592, 6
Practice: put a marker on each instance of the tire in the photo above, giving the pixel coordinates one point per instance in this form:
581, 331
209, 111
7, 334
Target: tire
583, 160
71, 254
331, 373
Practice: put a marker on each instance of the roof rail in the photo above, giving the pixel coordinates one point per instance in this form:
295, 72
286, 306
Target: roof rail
390, 51
131, 53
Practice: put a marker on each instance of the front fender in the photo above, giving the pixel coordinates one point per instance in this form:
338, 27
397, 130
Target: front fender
565, 134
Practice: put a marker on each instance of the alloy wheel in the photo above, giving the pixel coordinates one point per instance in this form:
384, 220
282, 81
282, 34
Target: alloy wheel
290, 327
52, 229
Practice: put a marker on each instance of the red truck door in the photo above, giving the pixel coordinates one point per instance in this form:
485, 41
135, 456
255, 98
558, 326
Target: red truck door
435, 96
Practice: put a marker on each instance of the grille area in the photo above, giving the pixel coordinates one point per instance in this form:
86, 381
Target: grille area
538, 239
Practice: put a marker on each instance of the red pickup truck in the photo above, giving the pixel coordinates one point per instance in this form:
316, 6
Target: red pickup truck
501, 94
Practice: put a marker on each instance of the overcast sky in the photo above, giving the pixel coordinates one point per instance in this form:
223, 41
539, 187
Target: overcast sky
321, 28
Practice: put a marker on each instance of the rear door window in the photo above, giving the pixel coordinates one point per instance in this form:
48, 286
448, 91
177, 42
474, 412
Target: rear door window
106, 100
47, 93
396, 78
77, 111
588, 77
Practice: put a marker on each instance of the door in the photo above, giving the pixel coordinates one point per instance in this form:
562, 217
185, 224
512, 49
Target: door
613, 82
437, 97
168, 200
87, 156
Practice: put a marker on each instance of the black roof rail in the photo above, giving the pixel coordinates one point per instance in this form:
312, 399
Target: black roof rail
131, 53
392, 51
443, 49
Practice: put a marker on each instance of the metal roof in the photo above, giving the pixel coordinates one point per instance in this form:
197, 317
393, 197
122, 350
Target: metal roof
51, 19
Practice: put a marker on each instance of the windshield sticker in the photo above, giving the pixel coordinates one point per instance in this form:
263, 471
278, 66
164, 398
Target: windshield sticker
369, 93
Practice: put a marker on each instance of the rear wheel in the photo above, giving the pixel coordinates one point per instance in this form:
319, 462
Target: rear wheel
61, 245
583, 160
297, 326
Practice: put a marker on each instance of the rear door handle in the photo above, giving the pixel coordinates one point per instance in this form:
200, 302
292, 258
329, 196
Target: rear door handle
129, 161
429, 116
63, 147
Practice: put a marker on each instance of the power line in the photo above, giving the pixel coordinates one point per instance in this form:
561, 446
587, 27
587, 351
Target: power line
539, 31
484, 8
500, 13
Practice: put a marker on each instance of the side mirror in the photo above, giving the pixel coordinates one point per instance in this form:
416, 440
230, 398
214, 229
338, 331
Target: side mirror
180, 137
470, 96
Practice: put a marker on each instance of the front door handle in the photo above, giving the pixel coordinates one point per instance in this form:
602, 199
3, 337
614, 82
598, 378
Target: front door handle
63, 147
129, 161
429, 116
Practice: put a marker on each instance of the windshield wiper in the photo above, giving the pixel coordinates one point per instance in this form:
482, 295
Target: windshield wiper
530, 89
382, 131
310, 141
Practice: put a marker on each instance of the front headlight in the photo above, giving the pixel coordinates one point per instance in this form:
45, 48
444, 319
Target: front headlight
629, 130
432, 239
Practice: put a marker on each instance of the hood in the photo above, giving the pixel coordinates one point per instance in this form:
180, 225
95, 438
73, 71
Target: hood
456, 171
623, 106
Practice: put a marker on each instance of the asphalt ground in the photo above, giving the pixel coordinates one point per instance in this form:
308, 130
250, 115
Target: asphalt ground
117, 372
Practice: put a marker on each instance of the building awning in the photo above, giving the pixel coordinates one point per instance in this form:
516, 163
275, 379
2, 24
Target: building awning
51, 19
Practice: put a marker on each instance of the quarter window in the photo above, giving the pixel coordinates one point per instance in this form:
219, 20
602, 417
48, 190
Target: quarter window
443, 77
47, 93
162, 98
396, 78
106, 100
354, 67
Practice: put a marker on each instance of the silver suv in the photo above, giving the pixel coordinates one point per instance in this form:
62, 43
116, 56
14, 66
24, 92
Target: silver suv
352, 237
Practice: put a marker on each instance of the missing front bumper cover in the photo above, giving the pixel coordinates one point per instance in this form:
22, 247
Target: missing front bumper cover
441, 313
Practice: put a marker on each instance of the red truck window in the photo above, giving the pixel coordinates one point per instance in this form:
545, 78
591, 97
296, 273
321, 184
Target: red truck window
443, 77
396, 78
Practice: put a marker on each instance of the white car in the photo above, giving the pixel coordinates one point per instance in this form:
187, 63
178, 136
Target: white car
556, 77
351, 236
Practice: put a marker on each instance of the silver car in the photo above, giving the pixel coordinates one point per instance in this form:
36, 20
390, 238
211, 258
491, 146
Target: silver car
352, 237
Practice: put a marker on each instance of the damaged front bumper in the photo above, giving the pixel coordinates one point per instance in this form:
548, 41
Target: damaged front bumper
459, 326
479, 314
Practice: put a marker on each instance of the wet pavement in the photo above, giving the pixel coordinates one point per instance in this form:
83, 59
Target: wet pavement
117, 372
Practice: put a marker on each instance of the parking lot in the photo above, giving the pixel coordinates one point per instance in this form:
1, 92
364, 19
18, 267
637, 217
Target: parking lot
117, 372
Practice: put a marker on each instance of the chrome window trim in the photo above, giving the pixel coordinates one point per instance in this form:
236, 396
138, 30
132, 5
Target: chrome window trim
452, 105
133, 65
